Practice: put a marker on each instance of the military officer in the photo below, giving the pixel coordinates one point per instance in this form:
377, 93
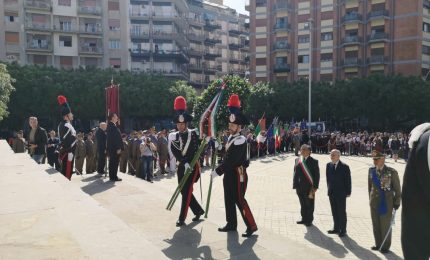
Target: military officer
184, 147
384, 195
124, 154
67, 134
90, 149
80, 153
233, 167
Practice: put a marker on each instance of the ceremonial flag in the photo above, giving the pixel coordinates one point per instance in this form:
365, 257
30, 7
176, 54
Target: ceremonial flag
261, 125
112, 99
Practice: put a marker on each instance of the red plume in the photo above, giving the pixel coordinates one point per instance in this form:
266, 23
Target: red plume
61, 100
180, 103
234, 101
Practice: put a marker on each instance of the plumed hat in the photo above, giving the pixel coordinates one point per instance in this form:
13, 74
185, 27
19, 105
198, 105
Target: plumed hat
236, 117
180, 107
65, 108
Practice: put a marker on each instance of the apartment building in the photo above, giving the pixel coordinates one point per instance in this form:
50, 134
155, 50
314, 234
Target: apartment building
64, 33
195, 41
348, 38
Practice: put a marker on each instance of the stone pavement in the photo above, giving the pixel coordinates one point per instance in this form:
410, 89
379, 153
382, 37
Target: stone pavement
130, 219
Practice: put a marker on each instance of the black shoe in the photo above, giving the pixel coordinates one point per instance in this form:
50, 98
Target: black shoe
197, 217
249, 232
385, 251
308, 224
180, 223
300, 222
226, 229
333, 231
150, 181
117, 179
375, 248
342, 234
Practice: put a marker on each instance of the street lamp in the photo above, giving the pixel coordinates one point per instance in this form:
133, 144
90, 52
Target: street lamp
310, 23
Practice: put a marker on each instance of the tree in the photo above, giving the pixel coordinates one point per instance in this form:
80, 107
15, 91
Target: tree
235, 85
6, 89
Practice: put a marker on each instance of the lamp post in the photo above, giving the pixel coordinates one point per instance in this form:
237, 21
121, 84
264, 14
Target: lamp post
310, 23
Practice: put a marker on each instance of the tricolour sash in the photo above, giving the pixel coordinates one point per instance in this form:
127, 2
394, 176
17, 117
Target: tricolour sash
305, 171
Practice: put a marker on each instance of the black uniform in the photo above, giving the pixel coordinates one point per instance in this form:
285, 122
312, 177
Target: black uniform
235, 182
303, 187
416, 202
67, 135
52, 152
185, 155
113, 144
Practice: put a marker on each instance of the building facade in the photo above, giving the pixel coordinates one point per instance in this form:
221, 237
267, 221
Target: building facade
348, 38
191, 40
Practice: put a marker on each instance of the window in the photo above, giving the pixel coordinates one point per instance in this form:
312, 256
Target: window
327, 36
12, 37
65, 2
426, 50
114, 24
303, 38
303, 58
65, 41
281, 61
113, 6
115, 63
377, 52
40, 59
66, 62
260, 3
65, 26
426, 27
114, 44
326, 57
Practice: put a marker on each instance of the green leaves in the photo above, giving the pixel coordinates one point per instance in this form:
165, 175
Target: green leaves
6, 89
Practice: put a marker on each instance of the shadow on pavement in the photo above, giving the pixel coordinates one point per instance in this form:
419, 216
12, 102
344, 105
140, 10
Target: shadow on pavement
316, 237
359, 251
241, 251
392, 256
51, 171
185, 244
97, 186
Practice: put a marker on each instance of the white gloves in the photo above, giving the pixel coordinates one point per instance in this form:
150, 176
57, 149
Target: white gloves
187, 166
214, 174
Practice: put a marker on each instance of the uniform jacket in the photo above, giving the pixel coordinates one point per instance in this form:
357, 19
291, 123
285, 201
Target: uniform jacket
192, 149
80, 151
391, 184
67, 136
234, 157
89, 148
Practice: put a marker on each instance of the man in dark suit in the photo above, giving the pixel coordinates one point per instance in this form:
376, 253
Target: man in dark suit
114, 146
306, 181
339, 188
101, 147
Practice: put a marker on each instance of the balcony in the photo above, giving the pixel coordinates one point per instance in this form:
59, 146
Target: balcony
282, 7
94, 50
282, 46
352, 17
134, 34
139, 15
174, 17
378, 14
65, 28
212, 54
180, 73
38, 5
426, 4
350, 40
235, 45
195, 52
39, 45
91, 29
196, 37
91, 10
212, 41
351, 62
196, 68
139, 53
196, 21
38, 26
234, 30
374, 60
234, 58
210, 69
236, 71
282, 27
280, 68
163, 35
211, 25
377, 37
177, 55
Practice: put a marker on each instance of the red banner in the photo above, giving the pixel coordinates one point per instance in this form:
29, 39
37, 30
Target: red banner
112, 99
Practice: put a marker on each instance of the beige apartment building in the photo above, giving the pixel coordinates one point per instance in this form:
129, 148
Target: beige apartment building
350, 38
190, 40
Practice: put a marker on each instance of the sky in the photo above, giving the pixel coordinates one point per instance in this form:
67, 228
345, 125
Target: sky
239, 5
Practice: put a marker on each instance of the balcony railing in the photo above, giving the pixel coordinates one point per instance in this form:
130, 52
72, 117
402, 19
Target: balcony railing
378, 37
282, 45
38, 4
212, 41
282, 6
378, 13
195, 67
235, 45
38, 26
90, 29
348, 62
139, 34
195, 52
426, 4
212, 54
351, 39
282, 26
352, 17
196, 37
34, 45
234, 30
91, 49
380, 59
94, 10
139, 14
211, 25
60, 28
282, 68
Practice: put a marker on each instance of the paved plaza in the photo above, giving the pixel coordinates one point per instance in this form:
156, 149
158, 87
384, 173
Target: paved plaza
43, 216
